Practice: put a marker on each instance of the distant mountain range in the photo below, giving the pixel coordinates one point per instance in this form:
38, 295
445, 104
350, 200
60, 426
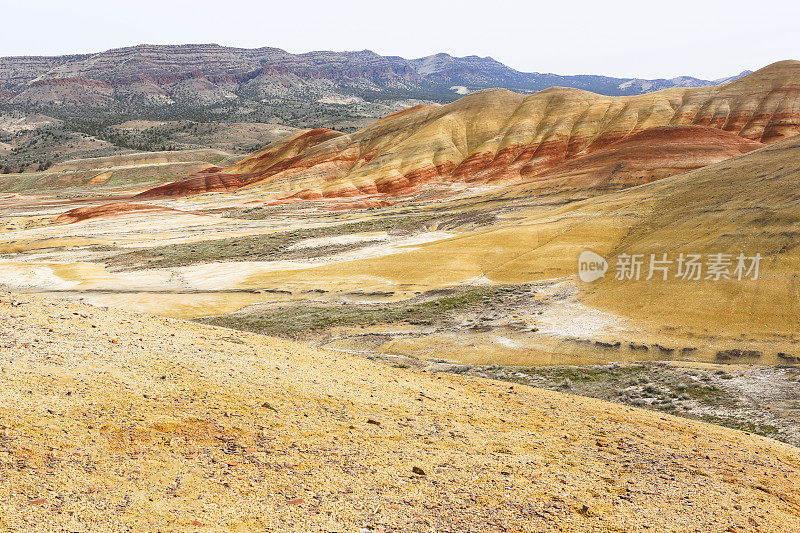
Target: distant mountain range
473, 72
271, 85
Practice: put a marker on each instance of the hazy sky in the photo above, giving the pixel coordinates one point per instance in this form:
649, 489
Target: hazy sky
701, 38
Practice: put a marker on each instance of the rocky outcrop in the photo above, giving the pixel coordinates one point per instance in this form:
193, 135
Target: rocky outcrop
66, 91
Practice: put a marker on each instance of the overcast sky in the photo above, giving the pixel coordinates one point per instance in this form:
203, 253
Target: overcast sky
708, 39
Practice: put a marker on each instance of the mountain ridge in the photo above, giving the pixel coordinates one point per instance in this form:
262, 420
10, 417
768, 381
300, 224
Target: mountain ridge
154, 78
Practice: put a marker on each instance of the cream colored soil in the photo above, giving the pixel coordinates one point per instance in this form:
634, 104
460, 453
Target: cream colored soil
114, 421
56, 268
339, 240
178, 305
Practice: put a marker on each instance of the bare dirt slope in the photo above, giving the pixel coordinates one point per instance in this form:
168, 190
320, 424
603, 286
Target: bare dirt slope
114, 421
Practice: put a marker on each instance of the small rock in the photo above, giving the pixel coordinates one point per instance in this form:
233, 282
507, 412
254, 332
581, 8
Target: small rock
418, 471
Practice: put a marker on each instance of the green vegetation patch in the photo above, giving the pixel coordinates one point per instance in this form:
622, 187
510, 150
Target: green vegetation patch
296, 320
265, 247
585, 374
765, 430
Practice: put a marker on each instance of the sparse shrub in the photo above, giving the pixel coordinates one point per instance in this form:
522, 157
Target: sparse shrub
726, 355
651, 390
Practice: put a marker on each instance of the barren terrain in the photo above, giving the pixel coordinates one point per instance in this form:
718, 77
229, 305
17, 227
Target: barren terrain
151, 424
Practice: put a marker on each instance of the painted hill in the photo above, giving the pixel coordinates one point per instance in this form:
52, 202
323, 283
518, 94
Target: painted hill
645, 156
106, 210
497, 136
286, 154
142, 423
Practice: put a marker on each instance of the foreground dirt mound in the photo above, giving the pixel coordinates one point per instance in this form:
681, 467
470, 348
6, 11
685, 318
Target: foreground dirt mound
497, 136
115, 421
